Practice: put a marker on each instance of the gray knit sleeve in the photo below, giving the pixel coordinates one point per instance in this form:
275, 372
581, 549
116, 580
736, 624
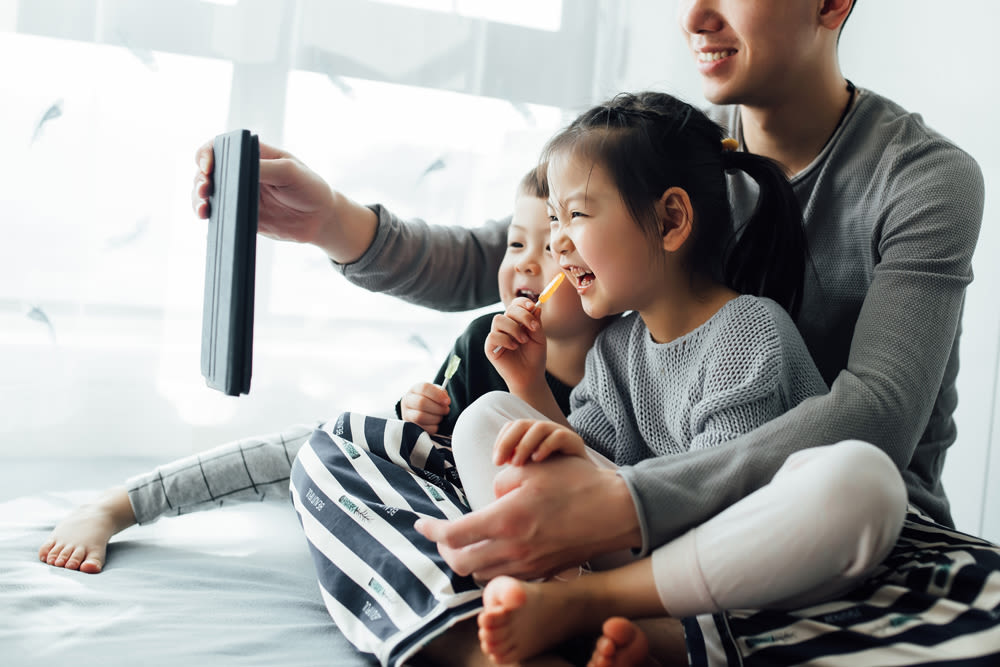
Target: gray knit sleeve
246, 470
446, 268
927, 224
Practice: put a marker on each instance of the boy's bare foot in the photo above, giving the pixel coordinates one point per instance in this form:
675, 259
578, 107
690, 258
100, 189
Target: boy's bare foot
522, 619
459, 647
80, 541
622, 644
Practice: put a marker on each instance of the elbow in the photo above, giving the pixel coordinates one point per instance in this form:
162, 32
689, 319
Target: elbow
883, 412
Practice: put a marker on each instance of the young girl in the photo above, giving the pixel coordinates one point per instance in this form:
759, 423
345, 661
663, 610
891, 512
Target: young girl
640, 222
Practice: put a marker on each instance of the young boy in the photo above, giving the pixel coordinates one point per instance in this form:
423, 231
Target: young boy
526, 268
259, 467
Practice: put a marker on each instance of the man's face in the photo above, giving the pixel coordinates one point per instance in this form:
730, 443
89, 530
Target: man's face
751, 52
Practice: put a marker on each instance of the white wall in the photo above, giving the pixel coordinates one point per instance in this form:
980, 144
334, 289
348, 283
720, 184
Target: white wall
935, 58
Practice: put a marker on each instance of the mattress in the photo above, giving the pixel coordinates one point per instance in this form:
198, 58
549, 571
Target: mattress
229, 586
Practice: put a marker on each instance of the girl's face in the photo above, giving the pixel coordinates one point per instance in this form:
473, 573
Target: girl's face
528, 266
602, 250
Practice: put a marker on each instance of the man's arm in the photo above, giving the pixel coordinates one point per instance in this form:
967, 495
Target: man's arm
902, 342
445, 268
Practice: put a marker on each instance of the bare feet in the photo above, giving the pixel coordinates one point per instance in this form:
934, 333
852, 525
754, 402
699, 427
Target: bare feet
80, 541
524, 619
622, 644
459, 647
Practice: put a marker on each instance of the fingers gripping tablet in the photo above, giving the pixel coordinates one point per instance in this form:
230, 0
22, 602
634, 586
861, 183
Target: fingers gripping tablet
227, 322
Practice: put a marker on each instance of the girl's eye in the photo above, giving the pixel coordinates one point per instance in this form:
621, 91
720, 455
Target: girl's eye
548, 248
553, 218
576, 214
515, 244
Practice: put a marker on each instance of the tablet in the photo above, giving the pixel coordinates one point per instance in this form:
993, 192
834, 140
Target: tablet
227, 322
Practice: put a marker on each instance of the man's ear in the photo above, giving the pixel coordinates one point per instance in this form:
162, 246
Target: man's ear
833, 13
675, 217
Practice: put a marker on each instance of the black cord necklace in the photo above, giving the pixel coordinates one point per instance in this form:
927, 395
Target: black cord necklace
851, 90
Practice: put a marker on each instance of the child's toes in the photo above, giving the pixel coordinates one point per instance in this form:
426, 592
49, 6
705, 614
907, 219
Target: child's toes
75, 558
63, 556
45, 549
54, 553
93, 564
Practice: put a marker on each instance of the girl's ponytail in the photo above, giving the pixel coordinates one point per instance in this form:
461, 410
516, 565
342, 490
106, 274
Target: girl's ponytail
768, 254
652, 141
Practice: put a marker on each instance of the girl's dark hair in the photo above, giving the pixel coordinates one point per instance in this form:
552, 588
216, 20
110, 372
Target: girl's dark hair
649, 142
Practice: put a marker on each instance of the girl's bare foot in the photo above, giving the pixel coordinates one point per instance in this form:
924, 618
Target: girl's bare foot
80, 541
622, 644
523, 619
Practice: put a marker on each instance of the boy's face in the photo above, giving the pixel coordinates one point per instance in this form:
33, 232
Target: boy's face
752, 52
528, 266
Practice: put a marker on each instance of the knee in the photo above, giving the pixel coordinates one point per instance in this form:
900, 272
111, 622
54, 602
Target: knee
862, 494
483, 418
864, 472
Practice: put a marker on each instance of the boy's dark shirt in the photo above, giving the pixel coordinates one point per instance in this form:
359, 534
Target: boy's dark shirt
476, 376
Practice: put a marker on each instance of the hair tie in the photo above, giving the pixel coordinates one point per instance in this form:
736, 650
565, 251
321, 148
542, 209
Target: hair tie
730, 144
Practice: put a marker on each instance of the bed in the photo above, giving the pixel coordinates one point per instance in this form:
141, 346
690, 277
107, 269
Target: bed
232, 586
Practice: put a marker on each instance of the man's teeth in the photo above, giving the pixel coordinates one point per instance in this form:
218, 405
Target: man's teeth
711, 56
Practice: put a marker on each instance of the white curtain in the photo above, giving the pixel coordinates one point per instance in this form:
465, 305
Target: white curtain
433, 108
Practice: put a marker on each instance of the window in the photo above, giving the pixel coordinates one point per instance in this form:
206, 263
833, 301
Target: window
434, 109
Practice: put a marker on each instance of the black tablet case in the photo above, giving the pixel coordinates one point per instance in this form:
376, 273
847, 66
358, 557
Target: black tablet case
227, 322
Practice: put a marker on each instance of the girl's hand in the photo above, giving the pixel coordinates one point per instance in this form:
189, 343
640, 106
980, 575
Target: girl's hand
516, 346
426, 405
525, 440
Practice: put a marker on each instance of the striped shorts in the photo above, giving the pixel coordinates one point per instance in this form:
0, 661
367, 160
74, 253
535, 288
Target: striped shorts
358, 485
934, 601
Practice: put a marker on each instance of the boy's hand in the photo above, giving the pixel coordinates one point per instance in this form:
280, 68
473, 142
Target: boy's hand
516, 346
426, 405
525, 440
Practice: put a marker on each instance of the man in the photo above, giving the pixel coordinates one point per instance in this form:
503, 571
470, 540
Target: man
892, 214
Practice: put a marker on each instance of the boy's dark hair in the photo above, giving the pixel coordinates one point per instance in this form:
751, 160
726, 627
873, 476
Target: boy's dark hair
649, 142
534, 183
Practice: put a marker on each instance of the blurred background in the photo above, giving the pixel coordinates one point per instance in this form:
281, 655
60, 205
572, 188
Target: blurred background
434, 108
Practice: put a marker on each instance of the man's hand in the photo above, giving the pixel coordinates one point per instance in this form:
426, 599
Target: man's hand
547, 517
296, 204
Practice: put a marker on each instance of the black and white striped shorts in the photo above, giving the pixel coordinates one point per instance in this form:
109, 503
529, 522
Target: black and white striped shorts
358, 486
934, 601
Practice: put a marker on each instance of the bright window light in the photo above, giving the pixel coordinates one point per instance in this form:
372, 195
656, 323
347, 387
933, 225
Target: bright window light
538, 14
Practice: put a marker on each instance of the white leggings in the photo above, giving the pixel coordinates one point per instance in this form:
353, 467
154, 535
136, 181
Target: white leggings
828, 517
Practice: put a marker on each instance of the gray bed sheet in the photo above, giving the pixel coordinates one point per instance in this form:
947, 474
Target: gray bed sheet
229, 586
